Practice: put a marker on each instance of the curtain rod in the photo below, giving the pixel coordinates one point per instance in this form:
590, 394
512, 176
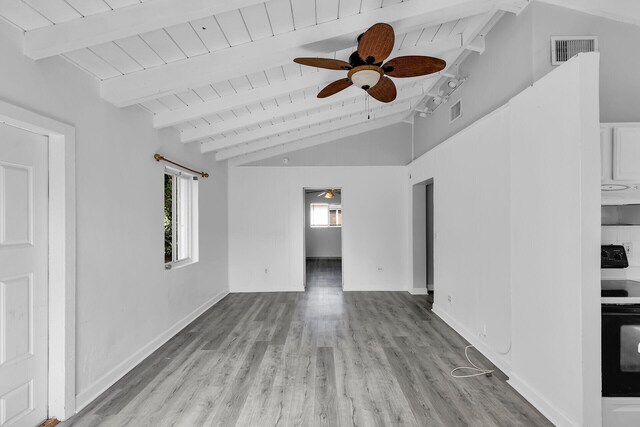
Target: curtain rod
158, 157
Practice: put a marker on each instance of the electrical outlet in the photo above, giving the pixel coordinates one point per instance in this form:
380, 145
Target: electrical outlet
380, 268
484, 329
450, 298
266, 270
628, 246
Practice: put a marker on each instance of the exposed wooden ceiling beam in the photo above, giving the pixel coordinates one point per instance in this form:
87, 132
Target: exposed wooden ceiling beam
230, 102
324, 138
330, 128
516, 6
304, 121
273, 51
215, 106
475, 27
199, 133
120, 23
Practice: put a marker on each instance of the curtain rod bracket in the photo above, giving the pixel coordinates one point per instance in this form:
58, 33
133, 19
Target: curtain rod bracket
159, 157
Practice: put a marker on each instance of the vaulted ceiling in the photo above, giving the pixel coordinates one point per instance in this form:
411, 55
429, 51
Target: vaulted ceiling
221, 71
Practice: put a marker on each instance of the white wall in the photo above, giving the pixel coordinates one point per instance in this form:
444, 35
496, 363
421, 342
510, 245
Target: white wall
127, 304
511, 192
619, 85
470, 175
557, 135
387, 146
518, 52
266, 231
321, 242
503, 70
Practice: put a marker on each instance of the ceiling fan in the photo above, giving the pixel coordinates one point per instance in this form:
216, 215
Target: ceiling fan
329, 194
365, 67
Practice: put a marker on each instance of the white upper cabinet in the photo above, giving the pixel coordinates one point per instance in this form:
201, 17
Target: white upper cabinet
606, 153
620, 153
620, 163
626, 153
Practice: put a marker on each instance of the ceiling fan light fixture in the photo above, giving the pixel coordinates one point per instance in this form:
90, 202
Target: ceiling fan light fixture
365, 79
367, 68
365, 76
328, 194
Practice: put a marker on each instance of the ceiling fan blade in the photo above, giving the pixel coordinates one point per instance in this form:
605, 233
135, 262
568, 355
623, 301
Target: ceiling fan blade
377, 43
322, 194
384, 91
330, 64
335, 87
413, 66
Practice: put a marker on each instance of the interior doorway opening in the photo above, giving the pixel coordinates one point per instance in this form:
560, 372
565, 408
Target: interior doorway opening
323, 238
430, 238
423, 239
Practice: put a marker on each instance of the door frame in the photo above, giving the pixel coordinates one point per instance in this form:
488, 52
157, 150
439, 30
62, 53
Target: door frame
413, 236
62, 254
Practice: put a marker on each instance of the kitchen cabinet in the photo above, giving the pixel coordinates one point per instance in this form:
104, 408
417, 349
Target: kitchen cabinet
620, 153
606, 153
626, 153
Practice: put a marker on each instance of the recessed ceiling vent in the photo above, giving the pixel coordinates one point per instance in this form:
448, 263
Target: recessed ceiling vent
455, 111
564, 48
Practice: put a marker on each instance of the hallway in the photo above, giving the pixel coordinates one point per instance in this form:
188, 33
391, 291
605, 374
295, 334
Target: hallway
324, 273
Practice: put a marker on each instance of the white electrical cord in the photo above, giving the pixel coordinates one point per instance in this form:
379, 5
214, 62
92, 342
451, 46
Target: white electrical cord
478, 370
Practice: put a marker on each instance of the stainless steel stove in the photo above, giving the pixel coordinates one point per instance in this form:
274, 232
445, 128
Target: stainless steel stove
620, 342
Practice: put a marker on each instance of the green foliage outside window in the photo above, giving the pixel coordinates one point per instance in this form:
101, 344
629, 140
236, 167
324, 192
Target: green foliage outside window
168, 218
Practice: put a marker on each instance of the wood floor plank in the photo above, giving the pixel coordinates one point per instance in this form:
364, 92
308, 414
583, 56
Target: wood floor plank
321, 357
284, 324
326, 413
421, 406
302, 403
239, 389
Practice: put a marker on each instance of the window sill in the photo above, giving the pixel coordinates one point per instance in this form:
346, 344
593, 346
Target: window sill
326, 226
169, 266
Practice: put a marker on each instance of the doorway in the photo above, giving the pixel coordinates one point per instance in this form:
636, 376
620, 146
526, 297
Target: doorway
323, 238
430, 238
423, 239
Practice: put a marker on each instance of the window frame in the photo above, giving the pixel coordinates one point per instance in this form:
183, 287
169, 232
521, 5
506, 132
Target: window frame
184, 218
330, 207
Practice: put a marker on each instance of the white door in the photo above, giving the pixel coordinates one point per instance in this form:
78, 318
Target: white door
23, 277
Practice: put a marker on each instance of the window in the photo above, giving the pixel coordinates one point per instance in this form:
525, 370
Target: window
326, 215
180, 218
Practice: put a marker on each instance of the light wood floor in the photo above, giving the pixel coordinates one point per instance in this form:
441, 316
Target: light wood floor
319, 358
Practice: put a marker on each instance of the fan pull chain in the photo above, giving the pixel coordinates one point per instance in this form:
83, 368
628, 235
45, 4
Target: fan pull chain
367, 105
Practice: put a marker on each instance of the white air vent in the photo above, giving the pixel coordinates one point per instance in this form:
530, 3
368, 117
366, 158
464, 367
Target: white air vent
455, 111
565, 48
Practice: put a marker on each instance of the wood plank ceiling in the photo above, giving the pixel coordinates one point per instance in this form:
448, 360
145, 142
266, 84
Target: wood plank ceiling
222, 74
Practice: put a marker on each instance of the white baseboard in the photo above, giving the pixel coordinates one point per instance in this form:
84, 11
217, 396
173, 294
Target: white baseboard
545, 407
480, 345
110, 378
418, 291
